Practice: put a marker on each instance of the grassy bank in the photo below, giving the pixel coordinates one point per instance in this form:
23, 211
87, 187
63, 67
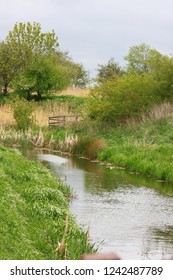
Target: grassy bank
35, 222
144, 147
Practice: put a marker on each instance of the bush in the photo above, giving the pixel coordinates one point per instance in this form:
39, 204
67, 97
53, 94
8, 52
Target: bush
23, 113
119, 99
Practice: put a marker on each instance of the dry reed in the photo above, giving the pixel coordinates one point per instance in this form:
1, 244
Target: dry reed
42, 113
83, 92
6, 116
164, 110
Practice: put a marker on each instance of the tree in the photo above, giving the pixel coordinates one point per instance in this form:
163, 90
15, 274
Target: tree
10, 65
143, 59
118, 99
139, 58
78, 75
41, 76
23, 44
109, 71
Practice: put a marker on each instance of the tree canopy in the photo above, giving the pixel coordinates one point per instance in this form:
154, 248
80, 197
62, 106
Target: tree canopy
31, 61
146, 81
108, 71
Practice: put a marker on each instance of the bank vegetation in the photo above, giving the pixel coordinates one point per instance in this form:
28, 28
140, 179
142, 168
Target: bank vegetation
127, 123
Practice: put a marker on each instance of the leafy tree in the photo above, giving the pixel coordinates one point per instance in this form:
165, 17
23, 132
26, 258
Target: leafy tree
10, 65
143, 59
30, 40
78, 75
81, 77
109, 71
41, 76
25, 42
163, 74
139, 58
118, 99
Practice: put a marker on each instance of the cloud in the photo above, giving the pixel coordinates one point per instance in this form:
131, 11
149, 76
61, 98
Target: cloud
95, 30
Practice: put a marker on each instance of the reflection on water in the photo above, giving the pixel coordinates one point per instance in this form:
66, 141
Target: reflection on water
125, 212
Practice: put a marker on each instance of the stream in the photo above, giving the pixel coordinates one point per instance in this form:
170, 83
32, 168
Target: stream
125, 213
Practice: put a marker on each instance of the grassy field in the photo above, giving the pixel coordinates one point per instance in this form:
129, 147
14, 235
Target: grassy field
35, 221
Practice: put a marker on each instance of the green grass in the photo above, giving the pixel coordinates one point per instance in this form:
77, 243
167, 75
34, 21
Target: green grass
146, 148
33, 211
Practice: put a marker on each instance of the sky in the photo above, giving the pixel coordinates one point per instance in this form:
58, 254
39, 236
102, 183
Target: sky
93, 31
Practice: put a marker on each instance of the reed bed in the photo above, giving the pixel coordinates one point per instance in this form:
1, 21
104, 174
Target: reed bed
41, 113
83, 92
6, 116
161, 111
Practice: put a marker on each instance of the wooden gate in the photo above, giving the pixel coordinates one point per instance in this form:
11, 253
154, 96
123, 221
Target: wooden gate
62, 120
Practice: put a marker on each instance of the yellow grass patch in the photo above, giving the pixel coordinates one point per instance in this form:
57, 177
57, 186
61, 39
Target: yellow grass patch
76, 91
42, 113
6, 116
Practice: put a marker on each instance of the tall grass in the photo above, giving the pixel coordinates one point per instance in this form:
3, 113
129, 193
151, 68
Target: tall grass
84, 92
158, 112
6, 115
55, 106
33, 213
45, 110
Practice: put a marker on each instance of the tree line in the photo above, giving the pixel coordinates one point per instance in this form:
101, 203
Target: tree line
121, 93
32, 62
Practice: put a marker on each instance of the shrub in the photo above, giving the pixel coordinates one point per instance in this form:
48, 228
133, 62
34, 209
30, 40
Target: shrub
23, 113
116, 100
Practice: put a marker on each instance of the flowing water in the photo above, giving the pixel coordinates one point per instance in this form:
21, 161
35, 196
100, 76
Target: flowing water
126, 213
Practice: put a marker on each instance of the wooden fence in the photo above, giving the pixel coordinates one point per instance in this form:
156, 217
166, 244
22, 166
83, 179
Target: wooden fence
62, 120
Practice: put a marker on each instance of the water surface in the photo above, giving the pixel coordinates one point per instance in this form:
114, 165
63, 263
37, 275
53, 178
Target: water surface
126, 213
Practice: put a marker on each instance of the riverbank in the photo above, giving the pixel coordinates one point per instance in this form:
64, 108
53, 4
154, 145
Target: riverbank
144, 148
142, 145
35, 221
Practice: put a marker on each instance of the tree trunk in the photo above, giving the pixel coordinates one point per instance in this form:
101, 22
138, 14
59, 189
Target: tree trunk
5, 89
39, 95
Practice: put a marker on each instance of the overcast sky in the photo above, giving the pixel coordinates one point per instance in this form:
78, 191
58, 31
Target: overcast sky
93, 31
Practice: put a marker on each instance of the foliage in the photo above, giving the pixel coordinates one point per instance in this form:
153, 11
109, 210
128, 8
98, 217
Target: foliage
143, 59
23, 113
34, 213
41, 76
29, 40
10, 65
81, 76
23, 43
118, 99
139, 58
30, 61
78, 76
109, 71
